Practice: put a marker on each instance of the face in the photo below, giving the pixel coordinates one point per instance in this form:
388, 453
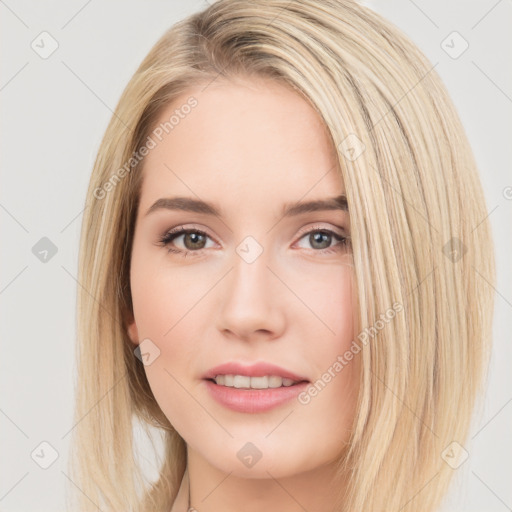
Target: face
255, 285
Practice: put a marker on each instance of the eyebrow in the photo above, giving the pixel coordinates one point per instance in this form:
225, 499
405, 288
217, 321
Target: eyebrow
189, 204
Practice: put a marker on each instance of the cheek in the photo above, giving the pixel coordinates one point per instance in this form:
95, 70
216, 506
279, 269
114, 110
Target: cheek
328, 294
163, 297
336, 383
166, 318
165, 312
168, 310
340, 305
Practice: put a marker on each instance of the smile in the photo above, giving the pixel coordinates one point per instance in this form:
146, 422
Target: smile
246, 382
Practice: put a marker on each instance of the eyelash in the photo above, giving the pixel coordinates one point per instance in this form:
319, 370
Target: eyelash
170, 236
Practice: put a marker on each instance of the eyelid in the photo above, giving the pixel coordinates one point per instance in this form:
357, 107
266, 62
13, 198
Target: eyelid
189, 227
316, 226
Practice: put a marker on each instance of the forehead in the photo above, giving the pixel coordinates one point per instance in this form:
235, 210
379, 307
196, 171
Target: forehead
259, 139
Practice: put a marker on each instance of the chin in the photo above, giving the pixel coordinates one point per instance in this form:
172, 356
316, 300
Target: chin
260, 460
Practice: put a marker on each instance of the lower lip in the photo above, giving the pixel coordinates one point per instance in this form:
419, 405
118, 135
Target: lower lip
253, 400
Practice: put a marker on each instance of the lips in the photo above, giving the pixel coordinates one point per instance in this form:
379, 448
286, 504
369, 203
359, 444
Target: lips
242, 397
261, 369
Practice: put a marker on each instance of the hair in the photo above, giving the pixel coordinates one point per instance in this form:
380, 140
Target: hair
420, 238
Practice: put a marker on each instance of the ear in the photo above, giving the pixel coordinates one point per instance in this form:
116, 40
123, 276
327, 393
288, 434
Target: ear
133, 333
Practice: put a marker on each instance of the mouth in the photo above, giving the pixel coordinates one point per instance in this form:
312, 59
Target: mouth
247, 382
255, 388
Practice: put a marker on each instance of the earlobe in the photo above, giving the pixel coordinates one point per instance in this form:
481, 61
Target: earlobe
133, 332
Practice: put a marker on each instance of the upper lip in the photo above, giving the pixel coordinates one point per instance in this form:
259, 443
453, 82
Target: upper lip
252, 370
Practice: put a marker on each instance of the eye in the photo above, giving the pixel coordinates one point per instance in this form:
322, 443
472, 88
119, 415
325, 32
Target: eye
320, 239
192, 241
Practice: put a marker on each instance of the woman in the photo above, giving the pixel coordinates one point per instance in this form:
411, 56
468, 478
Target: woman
279, 271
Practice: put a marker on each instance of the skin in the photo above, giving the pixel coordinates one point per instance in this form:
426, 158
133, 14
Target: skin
248, 147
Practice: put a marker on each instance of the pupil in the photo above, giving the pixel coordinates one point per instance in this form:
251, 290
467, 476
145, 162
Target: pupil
318, 238
196, 240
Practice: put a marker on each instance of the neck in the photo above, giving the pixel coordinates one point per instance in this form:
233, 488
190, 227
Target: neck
212, 490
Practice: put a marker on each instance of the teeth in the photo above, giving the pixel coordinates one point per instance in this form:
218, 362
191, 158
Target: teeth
242, 381
275, 382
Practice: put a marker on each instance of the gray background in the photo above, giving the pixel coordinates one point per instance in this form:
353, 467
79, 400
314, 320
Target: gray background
55, 111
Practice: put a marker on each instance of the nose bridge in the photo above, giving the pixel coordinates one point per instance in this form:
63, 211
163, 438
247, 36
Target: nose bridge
250, 295
250, 280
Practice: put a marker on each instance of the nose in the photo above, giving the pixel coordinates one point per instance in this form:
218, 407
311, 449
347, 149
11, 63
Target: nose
252, 301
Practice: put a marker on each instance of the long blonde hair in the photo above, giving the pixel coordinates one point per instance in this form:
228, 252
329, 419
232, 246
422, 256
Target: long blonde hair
420, 238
